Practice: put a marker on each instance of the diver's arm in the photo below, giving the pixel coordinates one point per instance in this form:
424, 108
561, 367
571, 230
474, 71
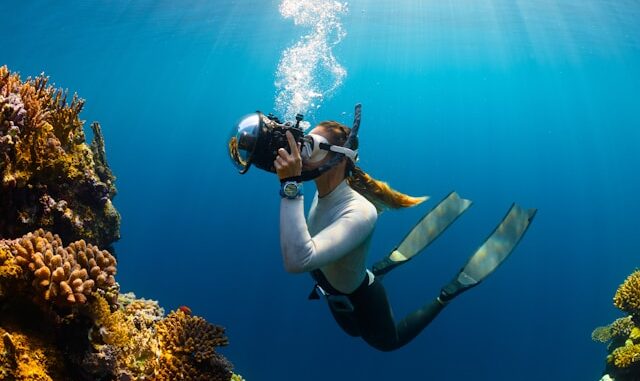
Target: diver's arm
301, 252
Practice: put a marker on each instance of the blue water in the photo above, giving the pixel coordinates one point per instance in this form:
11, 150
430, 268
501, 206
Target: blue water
528, 101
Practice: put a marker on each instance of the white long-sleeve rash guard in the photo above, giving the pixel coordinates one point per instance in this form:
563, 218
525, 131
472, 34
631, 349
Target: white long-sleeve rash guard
336, 240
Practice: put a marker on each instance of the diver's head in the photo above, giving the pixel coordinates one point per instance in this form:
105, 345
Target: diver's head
334, 133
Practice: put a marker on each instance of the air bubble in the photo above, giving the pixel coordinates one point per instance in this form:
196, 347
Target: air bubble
308, 72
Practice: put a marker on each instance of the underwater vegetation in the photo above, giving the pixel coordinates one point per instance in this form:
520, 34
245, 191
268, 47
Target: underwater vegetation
62, 316
623, 335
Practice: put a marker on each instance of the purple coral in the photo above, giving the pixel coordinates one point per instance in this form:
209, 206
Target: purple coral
13, 112
12, 118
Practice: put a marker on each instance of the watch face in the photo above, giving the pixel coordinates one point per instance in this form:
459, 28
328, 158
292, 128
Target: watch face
290, 189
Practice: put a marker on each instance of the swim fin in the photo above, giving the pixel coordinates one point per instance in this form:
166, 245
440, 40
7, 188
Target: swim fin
491, 253
436, 221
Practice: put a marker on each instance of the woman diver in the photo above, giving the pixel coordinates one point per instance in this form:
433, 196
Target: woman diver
333, 243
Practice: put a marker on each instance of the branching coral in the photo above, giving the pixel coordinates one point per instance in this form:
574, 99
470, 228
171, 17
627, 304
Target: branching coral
49, 176
188, 347
64, 276
627, 297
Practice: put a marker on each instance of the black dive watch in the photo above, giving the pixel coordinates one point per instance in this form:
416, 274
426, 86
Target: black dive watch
291, 189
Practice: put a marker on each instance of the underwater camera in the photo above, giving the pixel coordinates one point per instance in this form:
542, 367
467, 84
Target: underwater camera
257, 138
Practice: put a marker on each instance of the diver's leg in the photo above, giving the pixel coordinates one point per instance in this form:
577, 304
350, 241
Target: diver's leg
375, 317
347, 321
409, 327
377, 325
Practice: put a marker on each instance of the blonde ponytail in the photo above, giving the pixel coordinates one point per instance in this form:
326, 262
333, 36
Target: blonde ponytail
379, 193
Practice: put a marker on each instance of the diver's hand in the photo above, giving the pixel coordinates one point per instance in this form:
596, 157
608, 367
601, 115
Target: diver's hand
289, 164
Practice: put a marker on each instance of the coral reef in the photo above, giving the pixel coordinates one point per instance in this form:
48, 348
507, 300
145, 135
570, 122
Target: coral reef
127, 336
64, 276
61, 314
619, 328
24, 357
623, 335
627, 298
59, 326
49, 177
188, 347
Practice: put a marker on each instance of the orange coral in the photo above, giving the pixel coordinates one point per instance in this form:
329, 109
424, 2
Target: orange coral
627, 297
65, 276
188, 348
49, 176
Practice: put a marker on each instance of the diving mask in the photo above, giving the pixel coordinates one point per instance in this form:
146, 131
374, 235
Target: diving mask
316, 148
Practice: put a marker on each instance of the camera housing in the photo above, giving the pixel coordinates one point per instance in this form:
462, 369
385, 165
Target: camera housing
257, 138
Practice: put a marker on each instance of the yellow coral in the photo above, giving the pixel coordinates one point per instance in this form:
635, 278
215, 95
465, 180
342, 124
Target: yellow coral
627, 298
133, 342
112, 327
625, 356
237, 377
27, 357
188, 347
9, 270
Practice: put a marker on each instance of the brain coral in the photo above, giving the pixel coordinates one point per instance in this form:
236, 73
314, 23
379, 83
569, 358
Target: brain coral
49, 177
65, 276
188, 348
627, 298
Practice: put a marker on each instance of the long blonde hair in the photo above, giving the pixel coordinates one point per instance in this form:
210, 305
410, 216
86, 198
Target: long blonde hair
379, 193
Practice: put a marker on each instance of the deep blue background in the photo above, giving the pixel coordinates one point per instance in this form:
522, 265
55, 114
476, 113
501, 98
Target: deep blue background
502, 100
